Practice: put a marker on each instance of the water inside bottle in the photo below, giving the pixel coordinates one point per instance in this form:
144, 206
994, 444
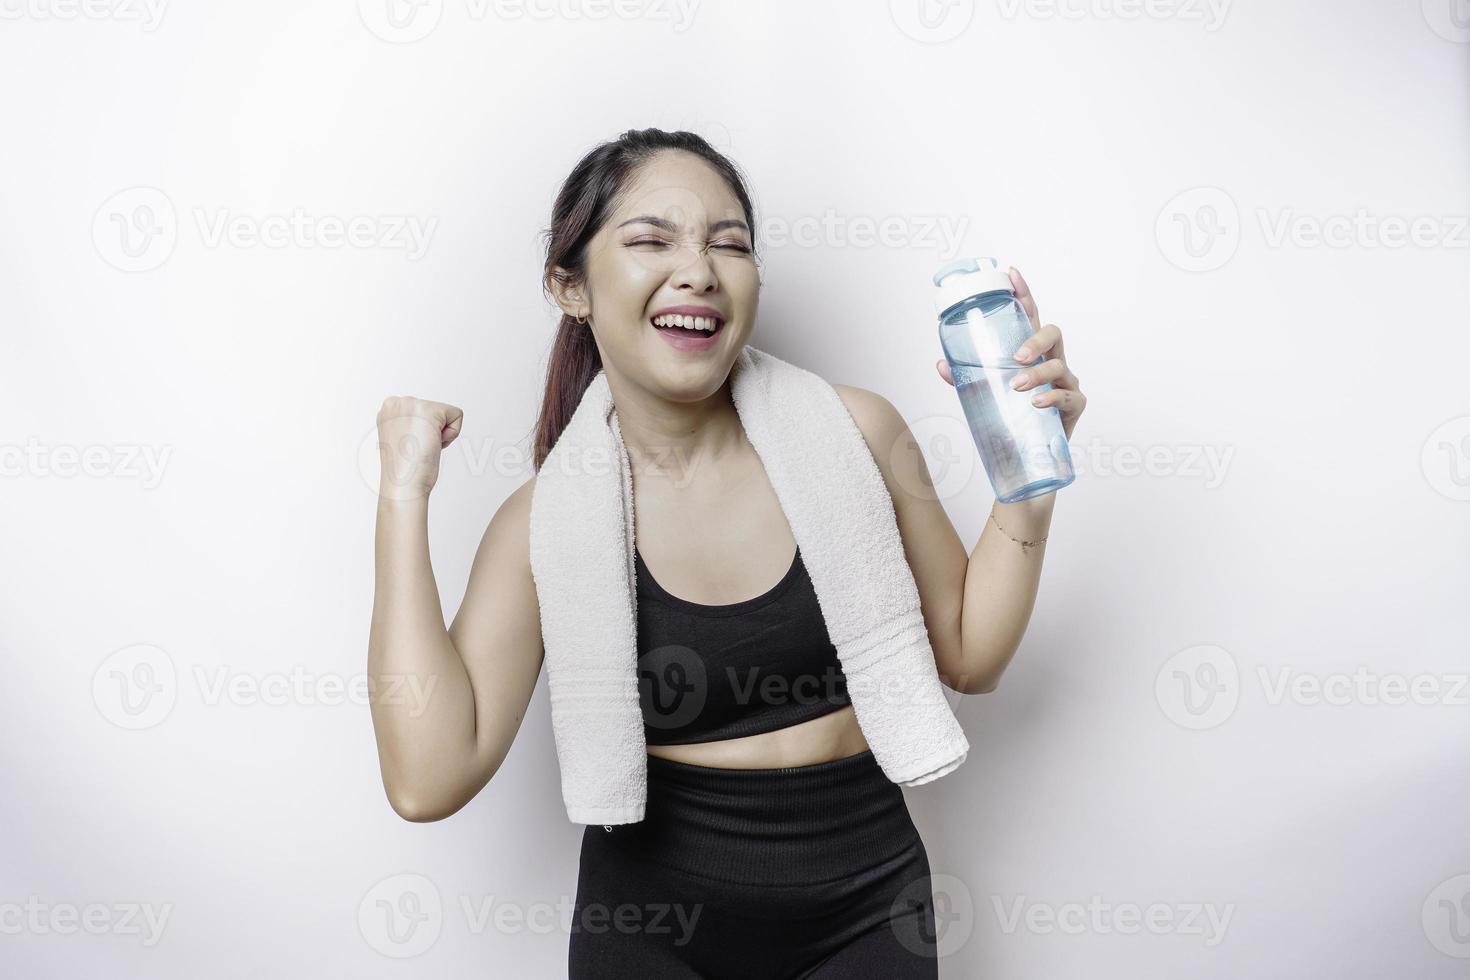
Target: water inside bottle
1021, 444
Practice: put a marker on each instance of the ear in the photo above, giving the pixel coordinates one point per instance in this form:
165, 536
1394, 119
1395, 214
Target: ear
571, 298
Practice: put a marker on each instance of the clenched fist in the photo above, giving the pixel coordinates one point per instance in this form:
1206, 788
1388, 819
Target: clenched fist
412, 433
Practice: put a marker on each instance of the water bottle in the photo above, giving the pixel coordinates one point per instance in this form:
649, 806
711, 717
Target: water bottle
981, 324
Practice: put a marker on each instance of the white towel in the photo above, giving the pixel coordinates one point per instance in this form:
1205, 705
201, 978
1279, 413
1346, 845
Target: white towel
840, 512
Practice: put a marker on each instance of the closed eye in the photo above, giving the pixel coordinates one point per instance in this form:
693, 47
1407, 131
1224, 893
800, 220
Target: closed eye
739, 247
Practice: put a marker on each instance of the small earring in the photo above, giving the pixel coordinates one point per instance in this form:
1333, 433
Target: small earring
581, 321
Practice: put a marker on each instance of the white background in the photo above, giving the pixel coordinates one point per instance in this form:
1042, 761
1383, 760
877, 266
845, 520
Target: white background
1136, 163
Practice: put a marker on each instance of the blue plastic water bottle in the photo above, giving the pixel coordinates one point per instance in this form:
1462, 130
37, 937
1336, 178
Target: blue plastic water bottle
981, 324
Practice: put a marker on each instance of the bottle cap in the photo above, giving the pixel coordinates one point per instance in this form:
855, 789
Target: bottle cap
963, 278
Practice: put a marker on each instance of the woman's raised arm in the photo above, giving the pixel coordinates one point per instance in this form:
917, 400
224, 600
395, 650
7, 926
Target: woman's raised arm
446, 703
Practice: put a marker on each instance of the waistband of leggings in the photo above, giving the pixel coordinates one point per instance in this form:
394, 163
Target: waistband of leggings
850, 773
793, 825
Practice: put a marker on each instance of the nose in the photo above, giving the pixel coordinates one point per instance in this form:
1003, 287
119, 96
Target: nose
698, 273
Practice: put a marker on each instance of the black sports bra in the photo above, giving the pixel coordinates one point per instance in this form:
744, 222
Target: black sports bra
715, 672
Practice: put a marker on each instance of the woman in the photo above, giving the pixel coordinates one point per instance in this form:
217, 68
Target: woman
773, 845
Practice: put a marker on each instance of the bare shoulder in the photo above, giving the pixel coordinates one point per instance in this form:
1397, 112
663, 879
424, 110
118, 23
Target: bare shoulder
499, 607
935, 553
900, 460
857, 399
518, 504
882, 425
515, 516
503, 559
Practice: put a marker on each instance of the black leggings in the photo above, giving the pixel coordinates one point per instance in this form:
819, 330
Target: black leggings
805, 872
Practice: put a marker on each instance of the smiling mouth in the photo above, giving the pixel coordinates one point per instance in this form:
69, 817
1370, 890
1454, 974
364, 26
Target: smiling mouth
671, 326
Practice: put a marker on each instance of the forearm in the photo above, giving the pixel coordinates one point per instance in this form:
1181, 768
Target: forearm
422, 702
1001, 582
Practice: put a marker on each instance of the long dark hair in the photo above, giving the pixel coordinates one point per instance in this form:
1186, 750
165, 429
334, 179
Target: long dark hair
584, 203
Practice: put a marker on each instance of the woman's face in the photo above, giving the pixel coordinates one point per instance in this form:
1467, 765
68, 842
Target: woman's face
677, 238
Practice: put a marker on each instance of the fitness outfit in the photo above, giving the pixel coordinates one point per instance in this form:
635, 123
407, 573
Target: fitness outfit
800, 872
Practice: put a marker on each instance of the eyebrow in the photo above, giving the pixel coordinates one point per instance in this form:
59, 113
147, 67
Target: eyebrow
669, 226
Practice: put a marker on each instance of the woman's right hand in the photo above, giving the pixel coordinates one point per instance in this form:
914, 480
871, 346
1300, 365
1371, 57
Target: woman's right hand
412, 434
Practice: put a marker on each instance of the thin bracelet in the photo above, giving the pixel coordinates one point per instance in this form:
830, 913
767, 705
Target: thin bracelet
1024, 544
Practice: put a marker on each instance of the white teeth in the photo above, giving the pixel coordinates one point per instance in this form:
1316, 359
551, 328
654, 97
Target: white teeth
705, 323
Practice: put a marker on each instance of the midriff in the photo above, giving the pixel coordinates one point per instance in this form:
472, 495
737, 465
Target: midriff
835, 735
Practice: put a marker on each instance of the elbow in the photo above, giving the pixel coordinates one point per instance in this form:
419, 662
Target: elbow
414, 811
967, 684
984, 686
976, 683
419, 800
419, 807
984, 675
